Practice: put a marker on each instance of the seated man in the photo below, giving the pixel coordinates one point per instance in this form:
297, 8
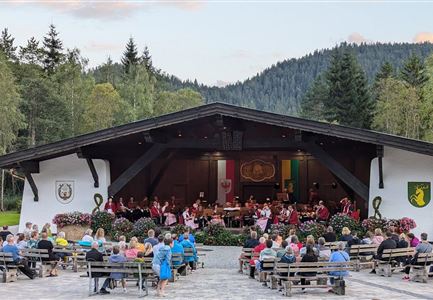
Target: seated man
389, 243
186, 243
249, 243
44, 243
266, 253
115, 257
10, 247
423, 247
339, 256
151, 238
177, 248
95, 255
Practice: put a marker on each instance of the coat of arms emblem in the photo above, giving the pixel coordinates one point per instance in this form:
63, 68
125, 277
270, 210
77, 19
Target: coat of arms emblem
226, 184
65, 191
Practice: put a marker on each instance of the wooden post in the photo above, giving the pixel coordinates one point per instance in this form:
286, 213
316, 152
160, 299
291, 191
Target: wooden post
2, 191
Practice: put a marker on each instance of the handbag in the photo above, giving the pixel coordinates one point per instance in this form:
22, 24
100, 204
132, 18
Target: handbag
165, 272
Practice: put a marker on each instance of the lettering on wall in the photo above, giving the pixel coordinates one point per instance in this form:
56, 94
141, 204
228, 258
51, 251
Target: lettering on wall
419, 193
65, 191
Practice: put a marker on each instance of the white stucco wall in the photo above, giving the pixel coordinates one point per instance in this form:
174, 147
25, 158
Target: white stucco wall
400, 167
68, 168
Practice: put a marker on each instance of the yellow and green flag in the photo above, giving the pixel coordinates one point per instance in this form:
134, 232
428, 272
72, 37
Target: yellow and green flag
290, 176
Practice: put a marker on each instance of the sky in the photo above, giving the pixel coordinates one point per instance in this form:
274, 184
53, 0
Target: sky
217, 42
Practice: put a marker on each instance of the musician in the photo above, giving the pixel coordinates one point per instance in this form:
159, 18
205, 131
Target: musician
322, 212
188, 218
347, 207
155, 212
110, 206
164, 212
120, 204
137, 213
131, 204
292, 215
282, 216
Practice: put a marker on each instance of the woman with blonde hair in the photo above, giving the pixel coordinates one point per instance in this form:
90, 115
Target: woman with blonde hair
148, 250
309, 242
88, 236
100, 236
403, 241
345, 235
378, 236
132, 251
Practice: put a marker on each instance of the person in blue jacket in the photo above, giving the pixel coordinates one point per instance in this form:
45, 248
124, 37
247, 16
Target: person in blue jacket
186, 243
339, 256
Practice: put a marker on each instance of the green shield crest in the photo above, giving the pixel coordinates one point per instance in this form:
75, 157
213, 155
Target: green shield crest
419, 193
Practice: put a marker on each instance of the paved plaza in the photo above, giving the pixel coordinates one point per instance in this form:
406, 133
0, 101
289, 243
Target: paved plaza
218, 280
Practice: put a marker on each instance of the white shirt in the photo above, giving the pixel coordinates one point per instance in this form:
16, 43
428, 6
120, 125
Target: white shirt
87, 238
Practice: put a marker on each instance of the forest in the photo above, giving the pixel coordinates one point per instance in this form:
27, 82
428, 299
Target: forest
50, 93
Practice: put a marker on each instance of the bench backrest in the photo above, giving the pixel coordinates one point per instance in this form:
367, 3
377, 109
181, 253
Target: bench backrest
35, 253
426, 258
268, 263
5, 258
355, 250
398, 252
321, 267
176, 258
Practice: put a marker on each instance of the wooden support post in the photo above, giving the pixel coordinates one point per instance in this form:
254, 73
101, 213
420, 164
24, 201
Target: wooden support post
28, 168
379, 151
143, 161
159, 174
336, 168
93, 171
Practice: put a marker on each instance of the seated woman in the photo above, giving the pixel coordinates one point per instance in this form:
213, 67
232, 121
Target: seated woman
345, 235
309, 256
100, 236
339, 256
21, 241
188, 219
132, 251
170, 217
88, 236
324, 252
309, 243
378, 236
186, 243
148, 250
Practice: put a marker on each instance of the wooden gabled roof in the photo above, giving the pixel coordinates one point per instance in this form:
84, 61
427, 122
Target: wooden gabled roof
71, 145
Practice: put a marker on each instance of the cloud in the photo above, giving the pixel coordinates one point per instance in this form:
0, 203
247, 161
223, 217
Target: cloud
357, 38
423, 37
106, 10
222, 83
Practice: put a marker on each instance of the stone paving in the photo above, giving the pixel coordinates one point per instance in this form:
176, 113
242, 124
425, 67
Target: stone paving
218, 280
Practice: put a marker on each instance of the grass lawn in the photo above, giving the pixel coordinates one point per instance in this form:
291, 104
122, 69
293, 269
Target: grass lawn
9, 218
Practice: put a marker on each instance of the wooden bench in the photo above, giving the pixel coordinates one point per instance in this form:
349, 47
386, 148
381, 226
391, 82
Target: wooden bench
129, 269
390, 260
75, 257
333, 245
177, 262
362, 255
421, 270
268, 265
188, 253
8, 268
37, 259
245, 257
321, 270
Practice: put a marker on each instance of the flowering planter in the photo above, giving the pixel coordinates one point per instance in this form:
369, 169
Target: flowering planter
73, 232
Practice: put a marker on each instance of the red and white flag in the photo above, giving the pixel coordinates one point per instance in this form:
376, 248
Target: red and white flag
226, 181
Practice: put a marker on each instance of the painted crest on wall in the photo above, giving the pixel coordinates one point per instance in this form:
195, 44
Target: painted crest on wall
257, 170
226, 184
419, 193
65, 191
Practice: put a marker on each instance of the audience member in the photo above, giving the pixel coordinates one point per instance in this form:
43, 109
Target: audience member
4, 233
282, 250
310, 242
402, 242
252, 241
266, 253
44, 243
257, 250
339, 256
115, 257
151, 238
22, 263
34, 239
21, 241
132, 251
309, 256
95, 255
413, 240
345, 235
162, 257
378, 236
88, 236
389, 243
330, 235
324, 252
100, 236
28, 229
423, 247
186, 244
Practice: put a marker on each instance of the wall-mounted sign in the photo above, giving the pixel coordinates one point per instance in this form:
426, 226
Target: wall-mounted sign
257, 170
419, 193
65, 191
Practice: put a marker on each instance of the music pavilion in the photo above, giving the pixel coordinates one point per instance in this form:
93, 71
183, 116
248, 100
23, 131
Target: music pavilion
217, 152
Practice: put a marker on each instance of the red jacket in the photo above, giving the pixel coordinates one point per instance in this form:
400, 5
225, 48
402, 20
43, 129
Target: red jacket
113, 206
323, 214
154, 212
293, 217
257, 249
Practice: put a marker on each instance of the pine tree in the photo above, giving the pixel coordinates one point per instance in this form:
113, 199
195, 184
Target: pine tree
7, 45
130, 55
312, 103
349, 102
31, 53
146, 59
52, 50
386, 71
414, 73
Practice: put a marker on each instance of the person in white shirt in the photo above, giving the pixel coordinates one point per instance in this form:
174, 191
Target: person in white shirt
88, 236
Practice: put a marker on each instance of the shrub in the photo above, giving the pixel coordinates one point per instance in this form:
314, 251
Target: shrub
371, 224
247, 230
214, 229
180, 229
200, 237
339, 221
312, 228
122, 226
104, 220
73, 218
281, 229
142, 226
